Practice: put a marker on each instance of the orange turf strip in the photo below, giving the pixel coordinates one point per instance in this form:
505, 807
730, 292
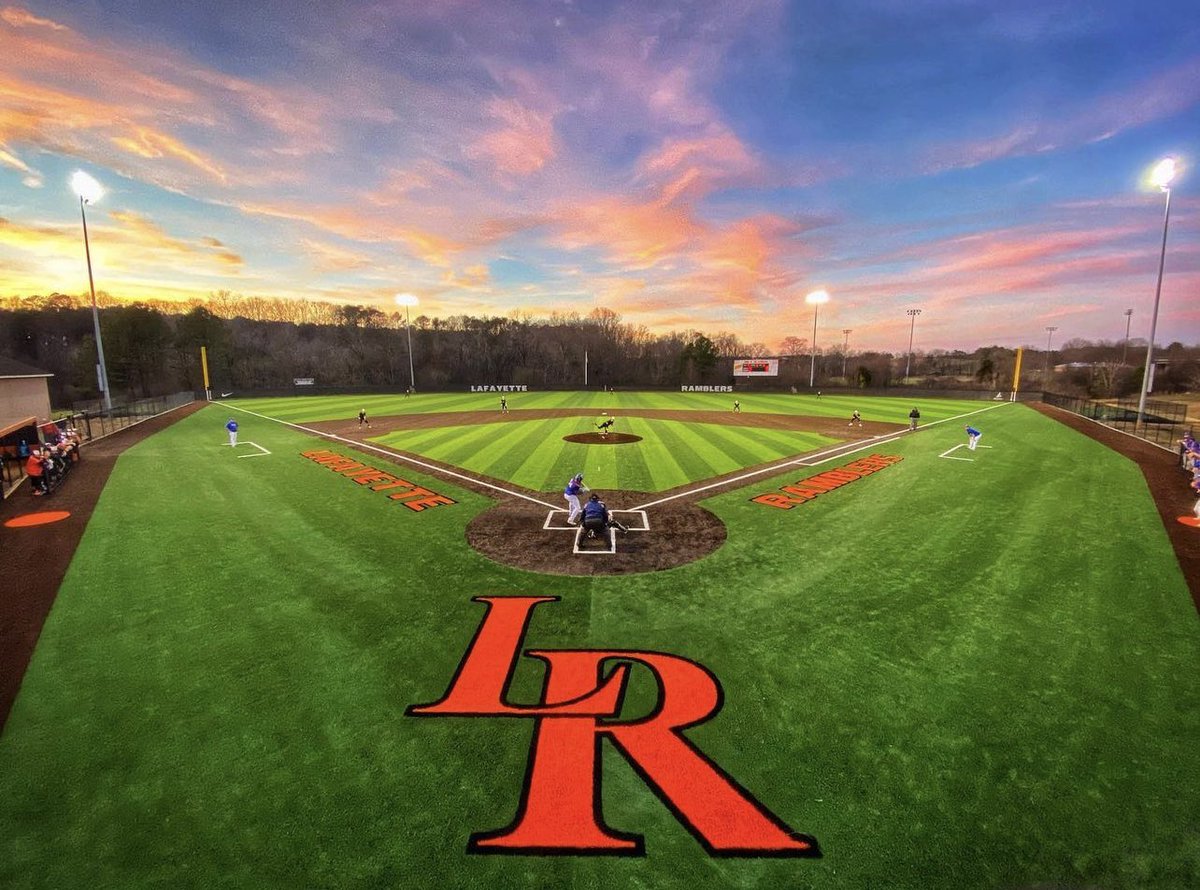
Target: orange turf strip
30, 519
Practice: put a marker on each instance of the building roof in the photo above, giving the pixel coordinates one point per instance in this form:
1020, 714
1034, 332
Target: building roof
10, 367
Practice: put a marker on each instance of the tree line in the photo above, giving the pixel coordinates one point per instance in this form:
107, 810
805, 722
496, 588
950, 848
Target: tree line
153, 348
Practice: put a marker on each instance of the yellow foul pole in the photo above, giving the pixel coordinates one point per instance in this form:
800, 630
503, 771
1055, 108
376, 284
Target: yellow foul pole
1017, 374
204, 368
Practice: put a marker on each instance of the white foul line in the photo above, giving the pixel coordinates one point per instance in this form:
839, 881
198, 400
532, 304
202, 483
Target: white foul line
834, 452
392, 455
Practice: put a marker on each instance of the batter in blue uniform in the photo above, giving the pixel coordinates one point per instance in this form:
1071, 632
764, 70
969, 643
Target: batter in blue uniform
574, 488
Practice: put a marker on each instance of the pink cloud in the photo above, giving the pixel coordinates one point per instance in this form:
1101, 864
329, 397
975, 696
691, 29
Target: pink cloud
67, 92
521, 144
23, 18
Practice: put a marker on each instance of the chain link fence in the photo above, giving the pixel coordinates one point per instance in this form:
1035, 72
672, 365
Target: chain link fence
96, 423
91, 423
1163, 423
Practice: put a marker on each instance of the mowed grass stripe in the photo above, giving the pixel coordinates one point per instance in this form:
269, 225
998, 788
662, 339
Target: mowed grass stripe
663, 467
527, 460
698, 438
430, 443
633, 472
535, 470
681, 453
745, 450
480, 446
791, 442
570, 459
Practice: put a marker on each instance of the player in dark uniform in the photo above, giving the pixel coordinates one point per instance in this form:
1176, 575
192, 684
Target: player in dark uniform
362, 418
597, 519
605, 425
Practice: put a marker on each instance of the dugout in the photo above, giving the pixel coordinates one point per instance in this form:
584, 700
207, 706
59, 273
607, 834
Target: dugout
12, 454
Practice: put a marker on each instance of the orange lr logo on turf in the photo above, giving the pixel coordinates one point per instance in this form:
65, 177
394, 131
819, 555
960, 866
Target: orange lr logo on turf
560, 810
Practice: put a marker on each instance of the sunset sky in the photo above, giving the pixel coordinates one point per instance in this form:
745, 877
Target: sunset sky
688, 165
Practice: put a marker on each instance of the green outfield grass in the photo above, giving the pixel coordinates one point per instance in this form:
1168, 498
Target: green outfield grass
955, 674
534, 454
672, 453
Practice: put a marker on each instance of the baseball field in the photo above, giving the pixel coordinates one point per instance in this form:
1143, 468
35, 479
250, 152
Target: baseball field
824, 656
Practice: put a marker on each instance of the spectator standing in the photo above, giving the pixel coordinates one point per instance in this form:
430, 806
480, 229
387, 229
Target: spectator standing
35, 469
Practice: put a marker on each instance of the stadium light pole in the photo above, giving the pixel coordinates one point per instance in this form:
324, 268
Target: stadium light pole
912, 328
407, 301
89, 192
1161, 176
845, 348
1050, 329
1125, 349
816, 298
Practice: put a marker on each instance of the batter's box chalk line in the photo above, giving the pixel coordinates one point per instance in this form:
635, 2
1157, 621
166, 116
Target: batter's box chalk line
558, 523
949, 455
261, 451
581, 535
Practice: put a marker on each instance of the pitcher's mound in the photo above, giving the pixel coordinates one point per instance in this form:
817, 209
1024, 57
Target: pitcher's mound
597, 439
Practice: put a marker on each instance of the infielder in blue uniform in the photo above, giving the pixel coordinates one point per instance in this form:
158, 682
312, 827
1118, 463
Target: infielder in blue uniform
973, 437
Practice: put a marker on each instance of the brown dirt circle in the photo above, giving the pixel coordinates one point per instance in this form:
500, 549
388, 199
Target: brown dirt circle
597, 439
513, 533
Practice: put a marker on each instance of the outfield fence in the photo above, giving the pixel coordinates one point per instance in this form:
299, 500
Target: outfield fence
1163, 423
739, 387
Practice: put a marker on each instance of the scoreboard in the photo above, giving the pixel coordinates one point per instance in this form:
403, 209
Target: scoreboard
756, 367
